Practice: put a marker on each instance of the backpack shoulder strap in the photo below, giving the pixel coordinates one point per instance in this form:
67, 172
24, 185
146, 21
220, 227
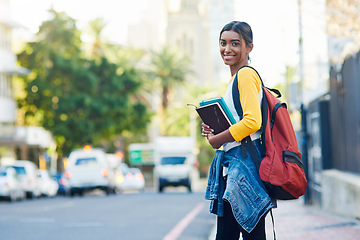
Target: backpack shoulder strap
237, 104
236, 94
238, 108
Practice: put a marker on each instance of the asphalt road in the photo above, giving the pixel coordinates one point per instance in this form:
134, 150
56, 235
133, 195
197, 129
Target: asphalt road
172, 215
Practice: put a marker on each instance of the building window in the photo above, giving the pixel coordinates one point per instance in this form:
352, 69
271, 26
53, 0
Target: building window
2, 37
186, 44
5, 37
5, 86
2, 84
9, 87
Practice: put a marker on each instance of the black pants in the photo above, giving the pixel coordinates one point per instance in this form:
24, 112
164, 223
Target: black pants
229, 229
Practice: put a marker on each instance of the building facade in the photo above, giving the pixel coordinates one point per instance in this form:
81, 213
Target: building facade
7, 66
188, 31
192, 26
16, 142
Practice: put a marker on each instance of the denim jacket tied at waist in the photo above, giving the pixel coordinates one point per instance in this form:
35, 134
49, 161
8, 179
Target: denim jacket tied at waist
243, 188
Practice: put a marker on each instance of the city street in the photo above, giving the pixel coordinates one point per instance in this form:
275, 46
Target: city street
174, 214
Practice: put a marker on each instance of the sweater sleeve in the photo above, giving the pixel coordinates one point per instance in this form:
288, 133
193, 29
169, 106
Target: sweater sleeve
249, 85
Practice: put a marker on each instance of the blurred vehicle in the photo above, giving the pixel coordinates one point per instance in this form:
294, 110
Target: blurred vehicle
10, 187
63, 184
138, 179
175, 162
27, 174
129, 178
48, 186
90, 169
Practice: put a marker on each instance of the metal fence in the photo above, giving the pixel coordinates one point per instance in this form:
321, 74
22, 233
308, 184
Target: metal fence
331, 126
345, 115
318, 144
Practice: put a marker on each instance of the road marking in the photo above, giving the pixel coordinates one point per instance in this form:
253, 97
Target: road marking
83, 224
37, 220
180, 227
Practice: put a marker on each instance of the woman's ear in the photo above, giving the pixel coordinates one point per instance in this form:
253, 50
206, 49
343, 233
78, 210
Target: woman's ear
249, 48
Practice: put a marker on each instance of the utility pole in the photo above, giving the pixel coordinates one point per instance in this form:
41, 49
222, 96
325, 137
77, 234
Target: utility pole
301, 57
303, 110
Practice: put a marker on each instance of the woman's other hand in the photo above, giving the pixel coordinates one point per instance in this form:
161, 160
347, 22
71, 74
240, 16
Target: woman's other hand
206, 130
216, 140
209, 134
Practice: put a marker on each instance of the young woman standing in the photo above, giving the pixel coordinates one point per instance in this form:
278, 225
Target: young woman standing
238, 196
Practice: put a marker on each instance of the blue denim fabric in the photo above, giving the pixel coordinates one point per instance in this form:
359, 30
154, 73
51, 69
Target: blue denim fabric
243, 188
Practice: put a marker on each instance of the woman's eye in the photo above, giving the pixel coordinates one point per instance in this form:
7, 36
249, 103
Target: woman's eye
223, 43
234, 43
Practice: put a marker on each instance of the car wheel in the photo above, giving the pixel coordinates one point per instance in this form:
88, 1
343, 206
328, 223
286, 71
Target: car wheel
189, 185
81, 192
29, 195
72, 192
108, 190
11, 197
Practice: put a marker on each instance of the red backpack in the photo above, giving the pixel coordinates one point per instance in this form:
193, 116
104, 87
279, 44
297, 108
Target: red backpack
281, 168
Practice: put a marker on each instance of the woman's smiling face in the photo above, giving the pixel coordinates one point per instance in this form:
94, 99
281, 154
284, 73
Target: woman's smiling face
233, 49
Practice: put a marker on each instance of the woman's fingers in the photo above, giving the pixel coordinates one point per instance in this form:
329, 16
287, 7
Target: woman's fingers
206, 130
204, 125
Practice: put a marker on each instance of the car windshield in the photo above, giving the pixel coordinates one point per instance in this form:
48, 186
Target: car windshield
20, 170
135, 170
124, 168
85, 161
172, 160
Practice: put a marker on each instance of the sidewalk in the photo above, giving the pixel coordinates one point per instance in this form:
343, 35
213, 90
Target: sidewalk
296, 221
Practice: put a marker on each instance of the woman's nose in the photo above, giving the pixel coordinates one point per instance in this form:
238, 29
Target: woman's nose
228, 48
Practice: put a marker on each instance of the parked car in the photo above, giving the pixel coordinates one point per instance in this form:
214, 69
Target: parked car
129, 178
48, 186
27, 173
90, 169
63, 184
10, 187
138, 179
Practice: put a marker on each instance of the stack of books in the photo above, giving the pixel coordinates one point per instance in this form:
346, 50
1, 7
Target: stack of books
215, 113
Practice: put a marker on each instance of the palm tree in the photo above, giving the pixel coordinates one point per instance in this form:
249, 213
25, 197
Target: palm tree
170, 67
98, 45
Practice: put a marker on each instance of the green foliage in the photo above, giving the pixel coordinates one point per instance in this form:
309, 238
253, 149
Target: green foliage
284, 86
170, 68
178, 119
79, 100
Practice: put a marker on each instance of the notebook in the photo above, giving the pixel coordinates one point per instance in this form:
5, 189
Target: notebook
215, 113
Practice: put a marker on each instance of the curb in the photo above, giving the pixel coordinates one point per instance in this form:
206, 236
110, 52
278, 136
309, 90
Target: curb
212, 234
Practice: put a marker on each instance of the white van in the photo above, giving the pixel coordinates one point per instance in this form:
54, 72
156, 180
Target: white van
175, 162
89, 169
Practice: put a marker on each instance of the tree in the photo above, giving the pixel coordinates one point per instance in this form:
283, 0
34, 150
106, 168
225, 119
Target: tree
182, 120
343, 18
169, 67
79, 100
96, 28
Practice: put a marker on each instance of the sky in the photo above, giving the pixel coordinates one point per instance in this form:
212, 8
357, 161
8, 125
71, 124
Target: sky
117, 14
120, 13
274, 24
275, 35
